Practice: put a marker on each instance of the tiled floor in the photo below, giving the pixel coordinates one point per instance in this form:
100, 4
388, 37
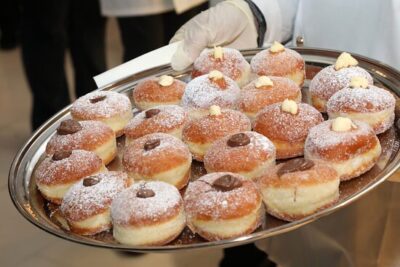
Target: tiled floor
21, 243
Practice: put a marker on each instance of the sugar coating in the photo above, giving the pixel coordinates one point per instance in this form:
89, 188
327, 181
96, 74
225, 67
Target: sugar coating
328, 81
150, 90
82, 202
323, 137
277, 124
114, 104
363, 100
170, 117
79, 164
127, 208
92, 135
202, 93
232, 64
277, 64
212, 127
202, 199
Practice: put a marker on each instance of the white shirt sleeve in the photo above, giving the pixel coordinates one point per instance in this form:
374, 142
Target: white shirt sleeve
279, 15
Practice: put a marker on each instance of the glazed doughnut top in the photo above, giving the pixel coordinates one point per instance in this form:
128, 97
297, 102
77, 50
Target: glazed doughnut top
93, 195
337, 146
64, 169
231, 65
86, 135
151, 90
202, 92
371, 99
131, 207
103, 104
206, 201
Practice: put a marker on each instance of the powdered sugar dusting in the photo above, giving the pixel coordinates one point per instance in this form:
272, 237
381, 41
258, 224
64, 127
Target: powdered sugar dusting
233, 64
127, 208
202, 93
371, 99
328, 81
201, 198
113, 104
81, 202
78, 165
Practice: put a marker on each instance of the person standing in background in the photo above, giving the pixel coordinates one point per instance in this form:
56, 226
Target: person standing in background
49, 28
146, 25
9, 24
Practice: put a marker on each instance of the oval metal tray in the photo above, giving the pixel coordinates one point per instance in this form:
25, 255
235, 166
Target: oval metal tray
31, 205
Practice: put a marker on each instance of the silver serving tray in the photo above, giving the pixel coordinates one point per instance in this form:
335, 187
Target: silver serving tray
31, 205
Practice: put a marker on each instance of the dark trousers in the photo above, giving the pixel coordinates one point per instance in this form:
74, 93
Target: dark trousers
49, 28
9, 19
145, 33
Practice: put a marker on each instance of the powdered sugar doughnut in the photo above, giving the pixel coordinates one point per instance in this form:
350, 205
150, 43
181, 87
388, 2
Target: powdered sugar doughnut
287, 131
168, 119
160, 157
247, 153
230, 62
372, 105
203, 92
56, 174
351, 153
253, 99
155, 92
93, 136
200, 133
112, 108
287, 63
148, 213
329, 81
86, 205
222, 205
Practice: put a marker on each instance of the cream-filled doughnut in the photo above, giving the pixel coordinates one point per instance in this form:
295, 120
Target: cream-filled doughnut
222, 205
86, 205
93, 136
163, 90
148, 213
58, 172
229, 61
298, 188
249, 154
287, 124
160, 157
112, 108
169, 119
350, 147
200, 133
279, 61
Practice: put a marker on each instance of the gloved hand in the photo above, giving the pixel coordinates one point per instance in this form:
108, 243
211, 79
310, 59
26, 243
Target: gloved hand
230, 23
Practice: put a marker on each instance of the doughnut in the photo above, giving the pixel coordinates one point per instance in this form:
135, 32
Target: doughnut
222, 205
168, 119
164, 90
86, 205
298, 188
57, 173
229, 61
287, 128
200, 133
279, 61
148, 214
333, 78
350, 147
112, 108
93, 136
247, 153
207, 90
160, 157
366, 103
265, 91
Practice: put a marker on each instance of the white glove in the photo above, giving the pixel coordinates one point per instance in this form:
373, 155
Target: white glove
230, 23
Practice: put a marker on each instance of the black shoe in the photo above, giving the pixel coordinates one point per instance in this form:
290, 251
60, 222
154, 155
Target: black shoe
245, 255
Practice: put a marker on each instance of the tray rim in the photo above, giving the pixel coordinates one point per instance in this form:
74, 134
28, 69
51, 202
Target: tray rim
126, 82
